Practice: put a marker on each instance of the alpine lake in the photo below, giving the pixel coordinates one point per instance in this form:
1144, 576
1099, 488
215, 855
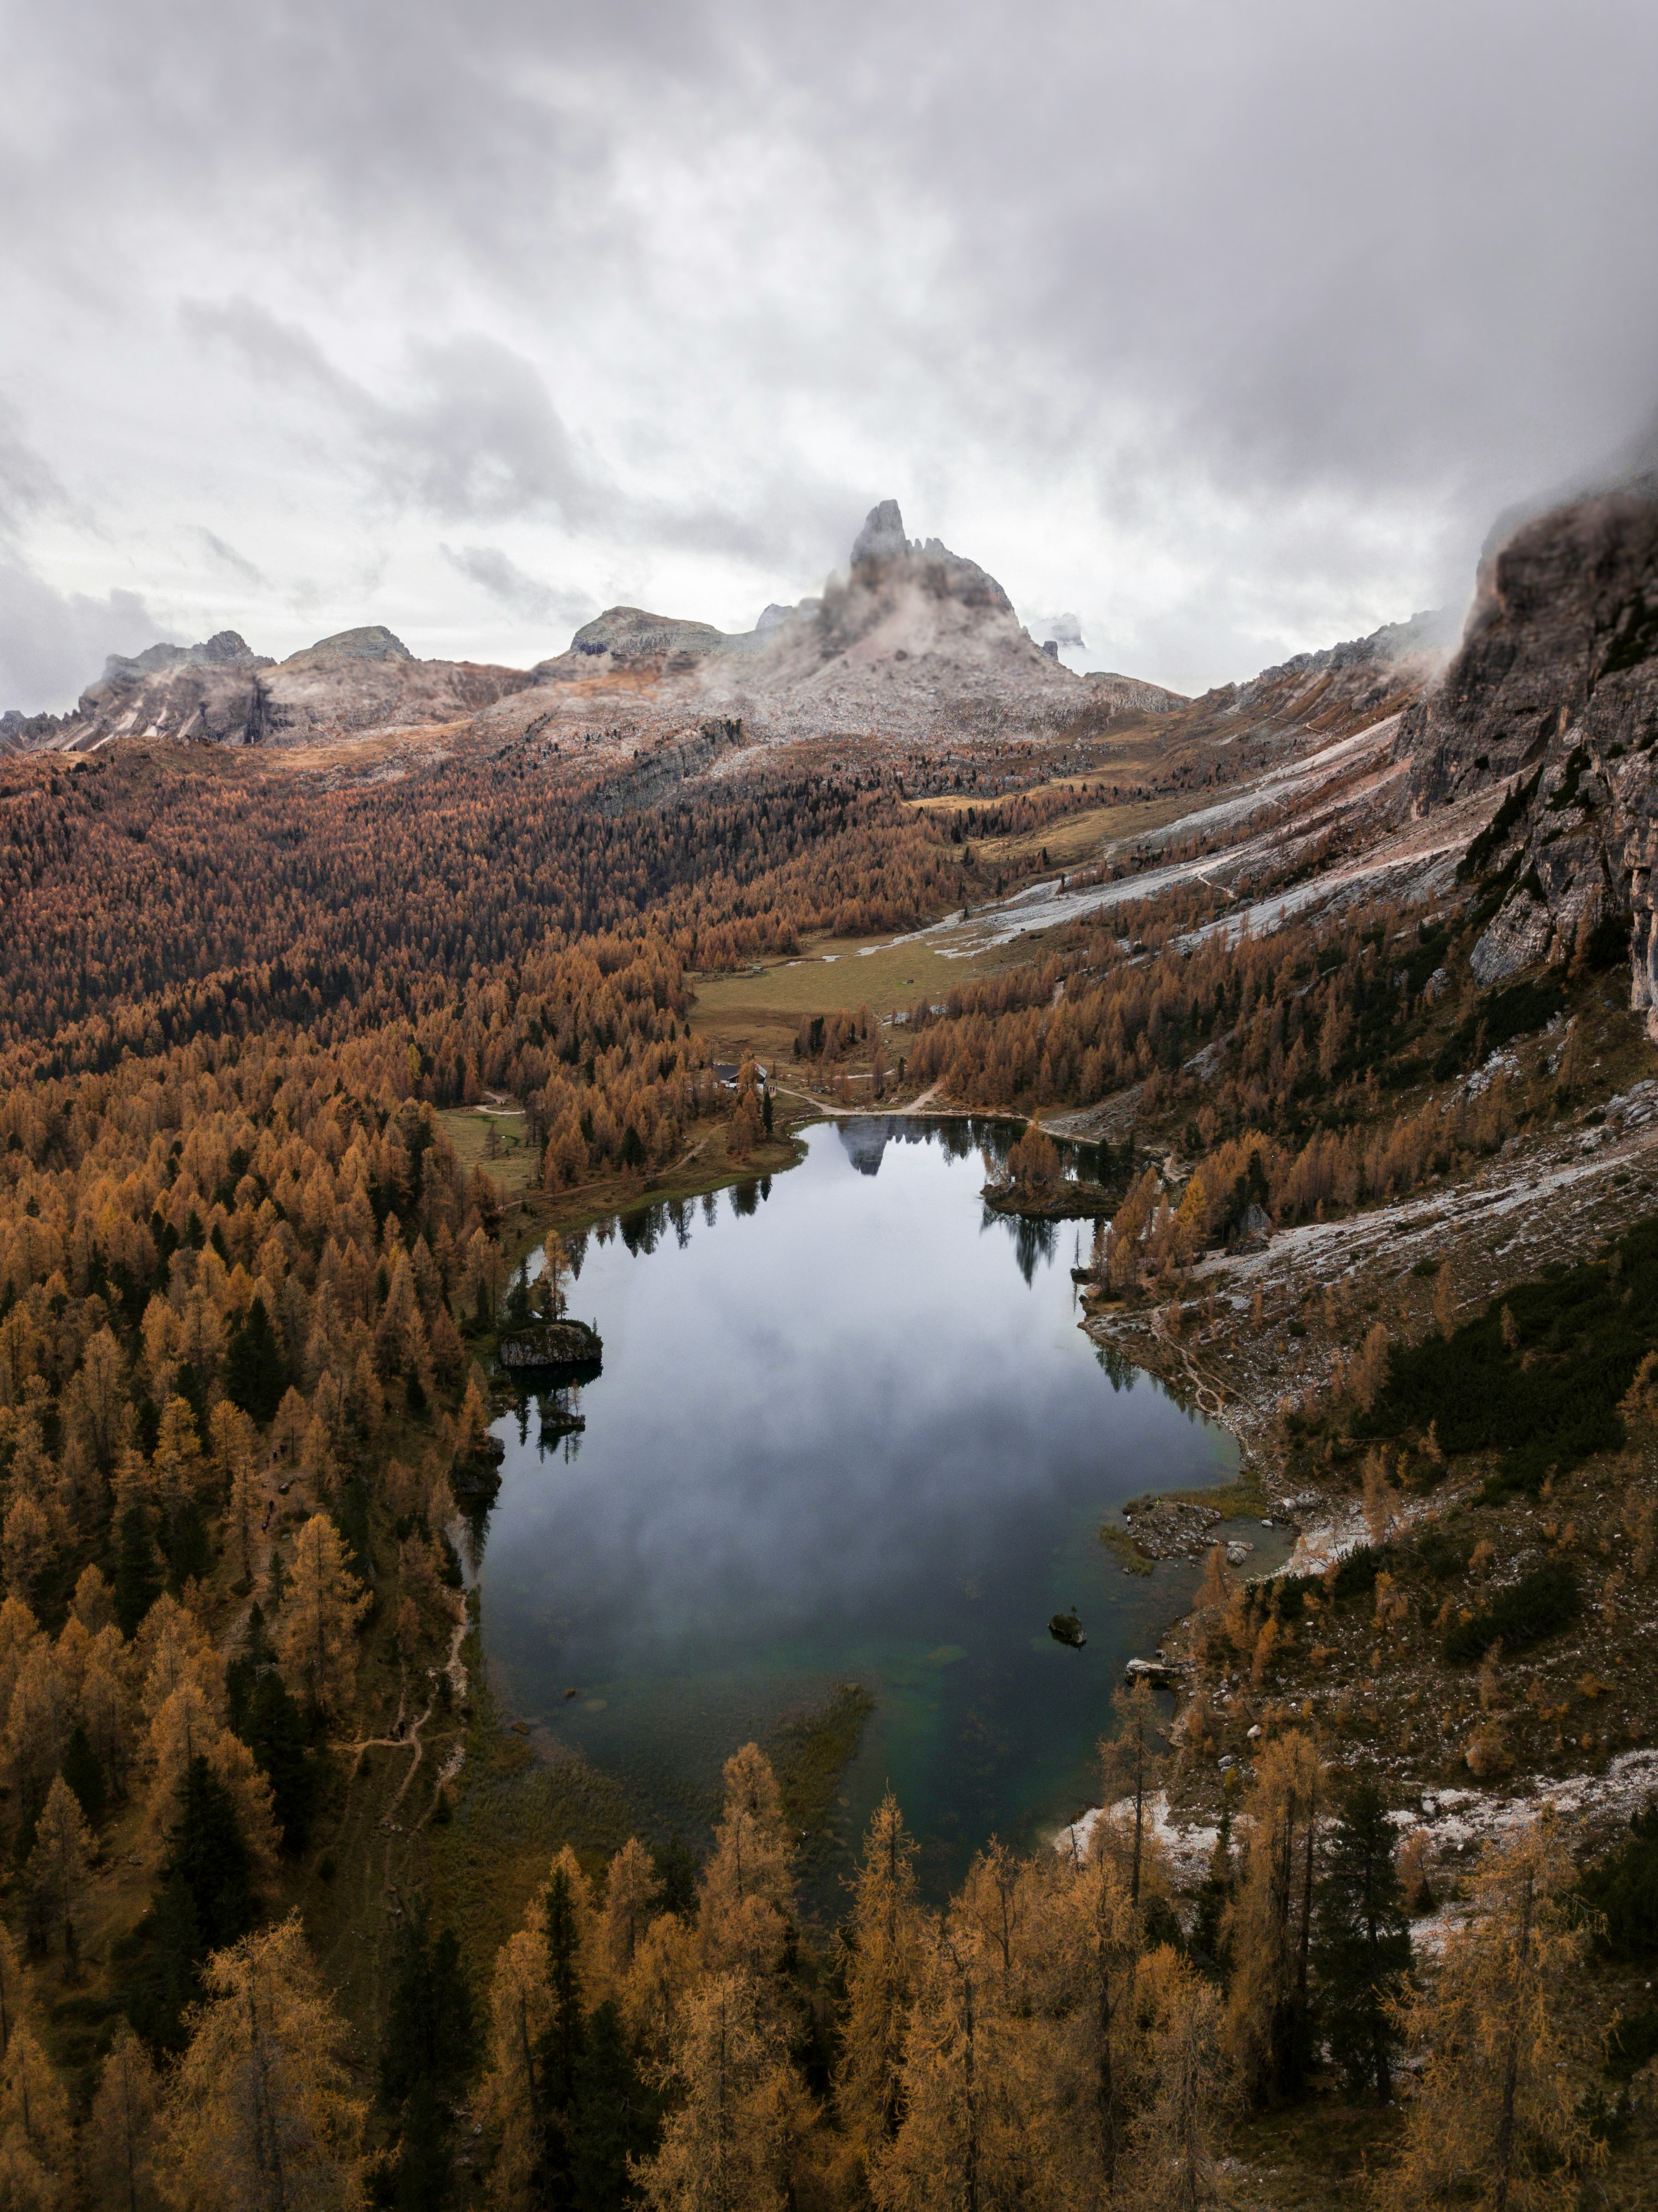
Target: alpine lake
849, 1453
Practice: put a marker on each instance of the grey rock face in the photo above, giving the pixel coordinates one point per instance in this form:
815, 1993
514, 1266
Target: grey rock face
373, 642
1131, 694
912, 639
227, 649
628, 638
1554, 694
222, 692
882, 538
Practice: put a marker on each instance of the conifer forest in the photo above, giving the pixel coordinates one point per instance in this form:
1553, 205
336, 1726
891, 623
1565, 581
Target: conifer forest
828, 1362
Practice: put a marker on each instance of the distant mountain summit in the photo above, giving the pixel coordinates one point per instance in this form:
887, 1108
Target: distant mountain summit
882, 536
910, 641
222, 692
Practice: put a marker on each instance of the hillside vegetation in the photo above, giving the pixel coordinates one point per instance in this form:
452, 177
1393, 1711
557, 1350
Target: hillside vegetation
292, 1913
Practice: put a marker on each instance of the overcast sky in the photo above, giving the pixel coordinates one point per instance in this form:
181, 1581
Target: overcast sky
1227, 324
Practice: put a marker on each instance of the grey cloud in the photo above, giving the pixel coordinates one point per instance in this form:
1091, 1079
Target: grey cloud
237, 564
26, 483
521, 594
480, 438
53, 644
704, 280
281, 352
475, 434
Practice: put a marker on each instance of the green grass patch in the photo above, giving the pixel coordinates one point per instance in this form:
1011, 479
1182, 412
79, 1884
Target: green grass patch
1242, 1499
1123, 1548
495, 1140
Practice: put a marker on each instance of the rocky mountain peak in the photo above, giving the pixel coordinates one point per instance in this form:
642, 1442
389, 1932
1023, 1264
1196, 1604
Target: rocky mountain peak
226, 648
374, 641
882, 536
632, 637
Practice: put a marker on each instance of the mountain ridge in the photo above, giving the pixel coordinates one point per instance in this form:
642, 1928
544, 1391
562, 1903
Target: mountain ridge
910, 641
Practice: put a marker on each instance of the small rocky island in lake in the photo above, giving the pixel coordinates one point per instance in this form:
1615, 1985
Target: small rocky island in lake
1066, 1628
567, 1345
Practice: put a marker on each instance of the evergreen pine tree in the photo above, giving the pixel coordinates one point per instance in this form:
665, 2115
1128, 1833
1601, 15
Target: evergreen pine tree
431, 2034
242, 1675
614, 2117
561, 2043
677, 1870
209, 1856
1208, 1943
188, 1550
171, 1981
275, 1731
137, 1573
424, 2178
84, 1776
1362, 1940
427, 2047
253, 1374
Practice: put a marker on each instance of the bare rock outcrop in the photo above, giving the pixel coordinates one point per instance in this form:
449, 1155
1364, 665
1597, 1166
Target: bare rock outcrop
1130, 695
1553, 697
361, 680
1309, 702
212, 692
629, 640
912, 640
222, 692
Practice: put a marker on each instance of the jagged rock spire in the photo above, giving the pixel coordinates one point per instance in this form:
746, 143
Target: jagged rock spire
882, 535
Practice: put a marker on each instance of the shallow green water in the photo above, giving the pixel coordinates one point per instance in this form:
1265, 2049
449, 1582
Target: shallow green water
847, 1430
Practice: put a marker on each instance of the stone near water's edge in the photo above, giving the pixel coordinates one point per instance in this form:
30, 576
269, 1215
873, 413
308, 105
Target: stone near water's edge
553, 1344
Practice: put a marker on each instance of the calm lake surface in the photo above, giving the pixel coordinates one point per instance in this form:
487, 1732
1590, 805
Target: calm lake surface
847, 1431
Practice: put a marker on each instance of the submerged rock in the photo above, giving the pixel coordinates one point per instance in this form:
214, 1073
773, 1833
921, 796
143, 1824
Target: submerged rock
1065, 1628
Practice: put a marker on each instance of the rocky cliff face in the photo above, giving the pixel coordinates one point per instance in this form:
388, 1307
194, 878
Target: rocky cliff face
223, 693
913, 640
1554, 696
210, 691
